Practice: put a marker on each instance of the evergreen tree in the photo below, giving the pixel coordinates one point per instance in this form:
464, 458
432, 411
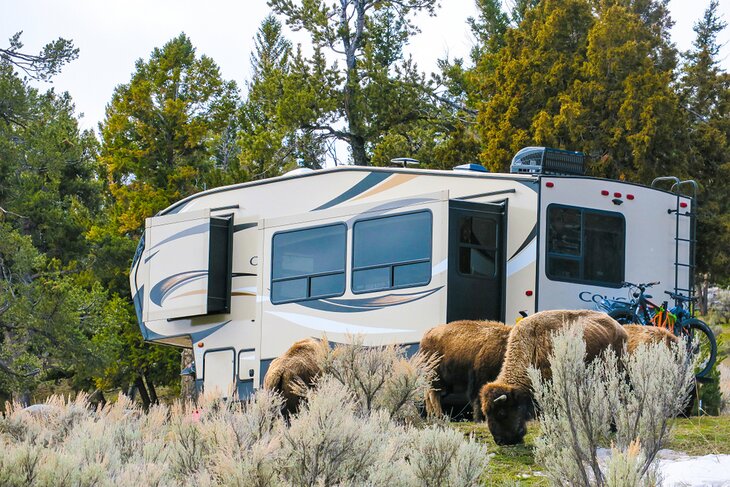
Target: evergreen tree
595, 76
705, 93
50, 307
270, 143
166, 135
373, 91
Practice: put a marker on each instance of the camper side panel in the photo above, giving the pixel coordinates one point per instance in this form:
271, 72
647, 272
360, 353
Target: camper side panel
595, 234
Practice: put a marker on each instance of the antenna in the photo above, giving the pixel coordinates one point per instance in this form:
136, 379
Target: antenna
404, 161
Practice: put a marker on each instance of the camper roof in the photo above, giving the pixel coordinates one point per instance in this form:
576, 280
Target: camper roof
301, 174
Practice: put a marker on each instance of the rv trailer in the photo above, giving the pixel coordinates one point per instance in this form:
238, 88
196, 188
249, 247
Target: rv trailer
241, 272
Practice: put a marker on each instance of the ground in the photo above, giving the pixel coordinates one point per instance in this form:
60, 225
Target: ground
515, 465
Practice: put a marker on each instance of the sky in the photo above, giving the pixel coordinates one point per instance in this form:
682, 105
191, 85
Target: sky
113, 34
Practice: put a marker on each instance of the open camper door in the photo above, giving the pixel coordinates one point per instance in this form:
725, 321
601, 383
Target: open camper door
188, 265
476, 261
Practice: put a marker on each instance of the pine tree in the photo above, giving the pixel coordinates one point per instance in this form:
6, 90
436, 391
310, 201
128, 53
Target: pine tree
372, 91
705, 92
166, 135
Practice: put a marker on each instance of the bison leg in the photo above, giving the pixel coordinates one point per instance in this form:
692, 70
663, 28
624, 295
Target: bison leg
472, 394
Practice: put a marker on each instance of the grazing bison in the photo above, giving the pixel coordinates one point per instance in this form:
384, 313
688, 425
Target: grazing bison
640, 335
507, 402
471, 354
296, 368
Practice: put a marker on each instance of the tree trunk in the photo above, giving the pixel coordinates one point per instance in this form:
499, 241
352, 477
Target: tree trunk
139, 384
151, 389
359, 156
704, 291
188, 391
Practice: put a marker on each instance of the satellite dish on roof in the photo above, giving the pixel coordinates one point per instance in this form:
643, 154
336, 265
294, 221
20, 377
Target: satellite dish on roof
404, 161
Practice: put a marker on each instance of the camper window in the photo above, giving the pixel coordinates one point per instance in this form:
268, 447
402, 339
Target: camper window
392, 252
308, 263
477, 246
585, 245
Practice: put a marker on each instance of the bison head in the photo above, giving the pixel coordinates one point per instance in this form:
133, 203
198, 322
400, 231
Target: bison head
507, 410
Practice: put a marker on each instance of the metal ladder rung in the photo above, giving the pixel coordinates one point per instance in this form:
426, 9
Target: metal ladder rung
681, 264
685, 239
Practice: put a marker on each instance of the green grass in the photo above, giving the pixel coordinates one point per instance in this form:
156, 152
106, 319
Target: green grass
509, 465
701, 435
515, 465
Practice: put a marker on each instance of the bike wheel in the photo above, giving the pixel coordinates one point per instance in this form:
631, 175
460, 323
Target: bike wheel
623, 316
701, 342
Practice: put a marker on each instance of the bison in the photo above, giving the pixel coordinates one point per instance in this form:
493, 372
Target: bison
297, 368
507, 402
471, 354
640, 335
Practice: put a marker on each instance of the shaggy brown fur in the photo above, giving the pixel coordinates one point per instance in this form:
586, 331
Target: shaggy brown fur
640, 334
293, 371
471, 354
507, 402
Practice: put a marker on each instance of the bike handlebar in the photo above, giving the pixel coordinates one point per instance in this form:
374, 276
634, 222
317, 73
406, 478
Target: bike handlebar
642, 287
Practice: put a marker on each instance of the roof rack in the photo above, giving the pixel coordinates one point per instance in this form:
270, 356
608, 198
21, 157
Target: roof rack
545, 160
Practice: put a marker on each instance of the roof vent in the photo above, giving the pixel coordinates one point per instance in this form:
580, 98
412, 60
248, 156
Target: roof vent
471, 167
404, 161
300, 171
544, 160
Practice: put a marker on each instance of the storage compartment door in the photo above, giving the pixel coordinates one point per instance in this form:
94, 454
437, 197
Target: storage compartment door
219, 371
188, 259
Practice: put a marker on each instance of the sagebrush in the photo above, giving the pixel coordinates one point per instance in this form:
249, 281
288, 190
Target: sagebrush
335, 439
625, 403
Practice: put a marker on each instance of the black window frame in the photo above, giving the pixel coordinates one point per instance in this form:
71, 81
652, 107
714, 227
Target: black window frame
309, 277
391, 265
581, 257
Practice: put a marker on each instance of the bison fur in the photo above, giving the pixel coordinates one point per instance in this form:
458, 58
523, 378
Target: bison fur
293, 372
471, 354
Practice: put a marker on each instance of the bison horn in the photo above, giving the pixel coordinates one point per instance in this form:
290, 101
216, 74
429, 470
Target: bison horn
503, 397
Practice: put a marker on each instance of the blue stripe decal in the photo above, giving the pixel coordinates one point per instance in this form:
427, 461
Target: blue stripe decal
162, 289
365, 184
137, 300
199, 335
202, 228
366, 304
149, 257
195, 337
530, 237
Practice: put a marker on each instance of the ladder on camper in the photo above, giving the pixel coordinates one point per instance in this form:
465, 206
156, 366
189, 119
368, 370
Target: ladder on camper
687, 189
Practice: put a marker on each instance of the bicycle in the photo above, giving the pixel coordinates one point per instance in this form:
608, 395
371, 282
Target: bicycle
678, 320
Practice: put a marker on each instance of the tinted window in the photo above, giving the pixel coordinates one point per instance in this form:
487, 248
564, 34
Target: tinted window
308, 263
477, 246
585, 245
392, 252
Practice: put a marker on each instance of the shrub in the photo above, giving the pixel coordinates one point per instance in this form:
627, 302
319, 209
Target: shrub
380, 377
580, 402
343, 435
